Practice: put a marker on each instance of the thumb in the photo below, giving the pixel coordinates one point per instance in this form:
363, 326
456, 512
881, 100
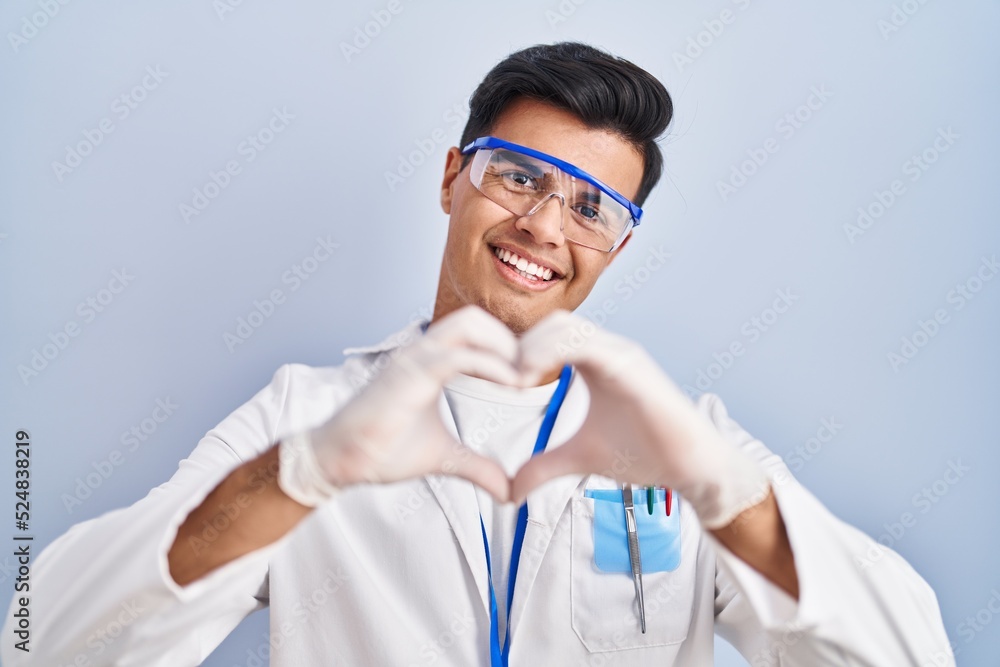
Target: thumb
481, 471
542, 468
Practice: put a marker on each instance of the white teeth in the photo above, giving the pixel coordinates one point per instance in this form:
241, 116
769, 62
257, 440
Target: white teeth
527, 269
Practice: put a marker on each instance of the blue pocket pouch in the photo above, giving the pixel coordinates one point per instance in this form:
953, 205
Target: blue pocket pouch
659, 534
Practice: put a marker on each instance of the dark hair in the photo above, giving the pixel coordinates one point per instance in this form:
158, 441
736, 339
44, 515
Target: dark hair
606, 92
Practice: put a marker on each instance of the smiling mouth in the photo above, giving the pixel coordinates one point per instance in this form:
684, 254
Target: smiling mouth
524, 268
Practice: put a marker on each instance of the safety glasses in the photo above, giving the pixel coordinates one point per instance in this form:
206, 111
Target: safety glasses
522, 180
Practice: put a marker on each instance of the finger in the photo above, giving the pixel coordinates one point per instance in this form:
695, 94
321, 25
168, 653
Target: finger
427, 367
543, 468
471, 326
612, 365
563, 337
449, 361
480, 470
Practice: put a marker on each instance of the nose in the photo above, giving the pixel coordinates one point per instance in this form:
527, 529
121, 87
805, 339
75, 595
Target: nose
544, 222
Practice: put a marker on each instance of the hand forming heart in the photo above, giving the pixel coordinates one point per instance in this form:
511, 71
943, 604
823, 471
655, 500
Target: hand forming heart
392, 430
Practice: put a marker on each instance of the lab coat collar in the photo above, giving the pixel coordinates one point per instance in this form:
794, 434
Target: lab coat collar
397, 339
457, 497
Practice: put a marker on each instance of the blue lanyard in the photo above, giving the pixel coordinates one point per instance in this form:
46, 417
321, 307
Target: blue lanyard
500, 657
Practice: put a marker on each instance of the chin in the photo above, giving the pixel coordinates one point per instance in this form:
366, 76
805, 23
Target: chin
511, 314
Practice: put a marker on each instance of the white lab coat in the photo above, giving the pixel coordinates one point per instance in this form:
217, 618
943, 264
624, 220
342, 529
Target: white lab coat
396, 574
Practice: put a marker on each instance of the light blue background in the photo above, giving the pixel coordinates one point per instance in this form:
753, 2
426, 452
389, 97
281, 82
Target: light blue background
325, 175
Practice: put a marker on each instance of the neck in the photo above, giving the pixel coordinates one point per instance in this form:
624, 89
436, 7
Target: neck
551, 377
445, 300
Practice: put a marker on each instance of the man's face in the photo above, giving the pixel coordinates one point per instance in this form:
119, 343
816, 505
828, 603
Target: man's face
471, 273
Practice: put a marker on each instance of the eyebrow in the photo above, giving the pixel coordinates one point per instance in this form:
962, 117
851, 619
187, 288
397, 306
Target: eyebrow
591, 194
525, 162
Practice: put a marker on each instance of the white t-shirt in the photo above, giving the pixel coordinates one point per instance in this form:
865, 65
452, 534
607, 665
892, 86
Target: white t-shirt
502, 423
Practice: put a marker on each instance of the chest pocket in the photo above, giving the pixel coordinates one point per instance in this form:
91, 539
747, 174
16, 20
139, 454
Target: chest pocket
605, 612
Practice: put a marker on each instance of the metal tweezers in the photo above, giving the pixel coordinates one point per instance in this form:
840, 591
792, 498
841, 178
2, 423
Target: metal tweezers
635, 561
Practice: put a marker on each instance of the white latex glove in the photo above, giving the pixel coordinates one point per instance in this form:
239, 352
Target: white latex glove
392, 429
641, 428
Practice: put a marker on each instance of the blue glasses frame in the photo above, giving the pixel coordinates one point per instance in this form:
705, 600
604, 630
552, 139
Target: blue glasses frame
576, 172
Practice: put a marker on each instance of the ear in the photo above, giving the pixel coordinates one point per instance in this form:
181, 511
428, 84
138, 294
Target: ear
452, 167
619, 248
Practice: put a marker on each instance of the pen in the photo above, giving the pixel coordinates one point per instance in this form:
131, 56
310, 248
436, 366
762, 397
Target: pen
650, 495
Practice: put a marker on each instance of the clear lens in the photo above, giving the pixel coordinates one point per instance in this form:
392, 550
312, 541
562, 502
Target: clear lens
523, 184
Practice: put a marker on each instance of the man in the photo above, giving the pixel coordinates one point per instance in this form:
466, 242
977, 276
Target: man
378, 507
